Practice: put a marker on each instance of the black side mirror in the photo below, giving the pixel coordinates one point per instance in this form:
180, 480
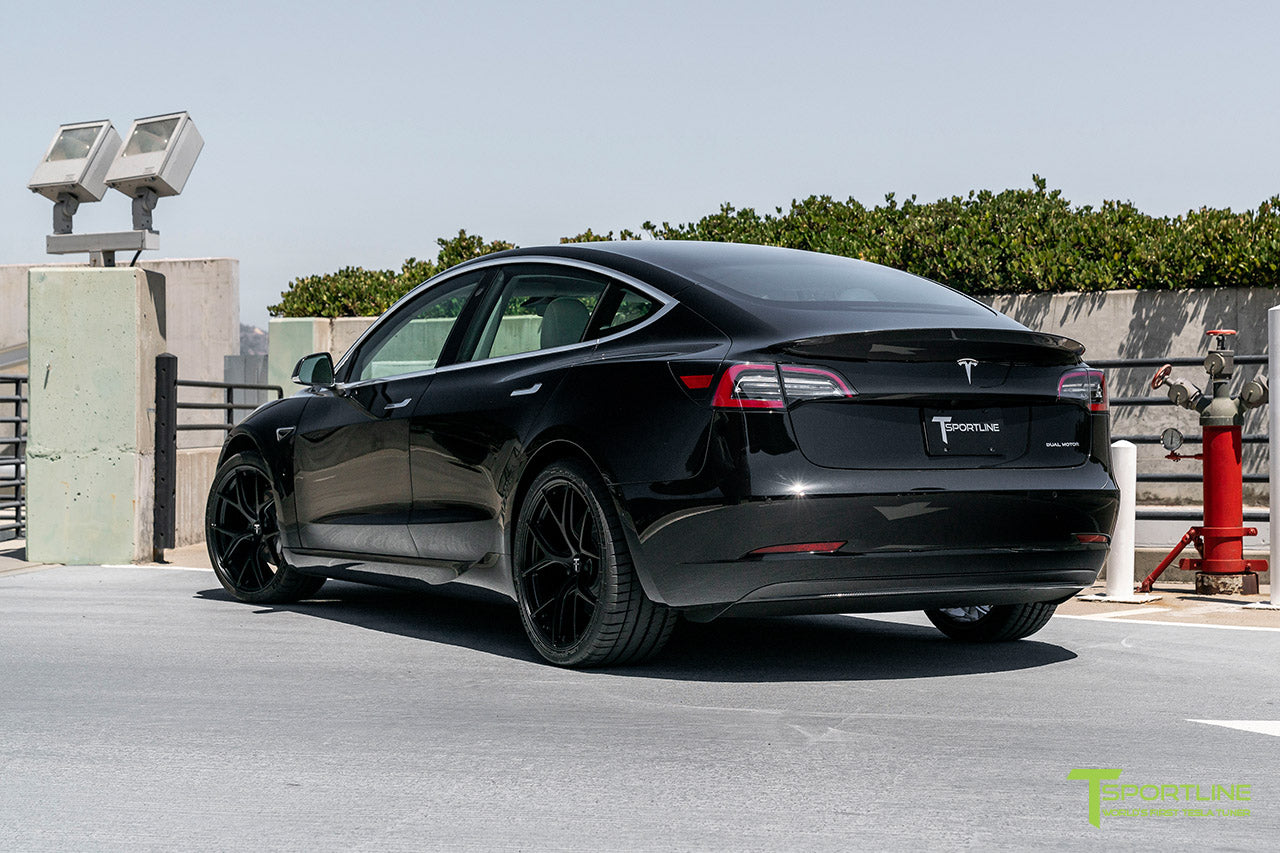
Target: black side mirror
315, 369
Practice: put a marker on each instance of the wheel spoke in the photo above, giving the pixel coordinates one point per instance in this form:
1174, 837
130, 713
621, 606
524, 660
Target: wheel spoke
543, 566
563, 600
582, 530
232, 497
562, 520
542, 607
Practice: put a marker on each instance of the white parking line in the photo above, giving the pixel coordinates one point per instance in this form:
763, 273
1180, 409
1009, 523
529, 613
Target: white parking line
163, 568
1166, 622
1115, 614
1262, 727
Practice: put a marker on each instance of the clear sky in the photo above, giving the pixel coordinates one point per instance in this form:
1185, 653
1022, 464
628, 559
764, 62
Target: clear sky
358, 132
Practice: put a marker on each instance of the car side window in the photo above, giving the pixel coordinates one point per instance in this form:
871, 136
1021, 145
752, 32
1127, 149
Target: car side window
537, 307
414, 342
632, 309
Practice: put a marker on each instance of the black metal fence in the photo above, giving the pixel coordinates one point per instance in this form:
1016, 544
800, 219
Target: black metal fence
13, 456
1123, 402
167, 429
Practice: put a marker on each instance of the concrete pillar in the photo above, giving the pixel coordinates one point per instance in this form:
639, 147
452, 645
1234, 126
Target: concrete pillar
293, 337
290, 339
94, 337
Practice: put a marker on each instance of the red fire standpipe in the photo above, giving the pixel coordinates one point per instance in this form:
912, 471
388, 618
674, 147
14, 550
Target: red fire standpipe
1220, 540
1223, 529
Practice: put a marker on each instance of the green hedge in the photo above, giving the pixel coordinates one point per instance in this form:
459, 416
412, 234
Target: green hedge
1015, 241
358, 292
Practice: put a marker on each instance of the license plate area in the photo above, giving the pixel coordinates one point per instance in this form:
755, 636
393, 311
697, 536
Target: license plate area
965, 432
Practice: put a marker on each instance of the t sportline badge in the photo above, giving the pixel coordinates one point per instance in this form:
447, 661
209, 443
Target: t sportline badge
1112, 799
947, 426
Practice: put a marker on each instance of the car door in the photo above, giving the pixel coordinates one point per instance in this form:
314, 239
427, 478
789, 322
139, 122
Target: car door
469, 431
351, 455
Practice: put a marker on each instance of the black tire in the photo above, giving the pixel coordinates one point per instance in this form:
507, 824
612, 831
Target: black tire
579, 598
989, 623
243, 536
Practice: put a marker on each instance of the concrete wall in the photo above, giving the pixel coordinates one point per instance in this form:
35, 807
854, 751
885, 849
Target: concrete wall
203, 298
196, 467
290, 338
1159, 324
13, 306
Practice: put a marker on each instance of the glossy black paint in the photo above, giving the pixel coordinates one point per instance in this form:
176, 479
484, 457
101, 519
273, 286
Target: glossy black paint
428, 492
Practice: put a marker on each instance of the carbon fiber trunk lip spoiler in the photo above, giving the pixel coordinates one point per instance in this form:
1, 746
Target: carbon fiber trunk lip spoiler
935, 344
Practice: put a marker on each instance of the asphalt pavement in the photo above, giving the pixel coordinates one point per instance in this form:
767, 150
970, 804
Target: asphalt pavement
143, 709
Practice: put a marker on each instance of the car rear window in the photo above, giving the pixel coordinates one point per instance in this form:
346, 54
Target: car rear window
826, 282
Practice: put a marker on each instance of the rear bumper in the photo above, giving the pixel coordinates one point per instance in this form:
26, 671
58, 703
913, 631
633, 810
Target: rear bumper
902, 551
897, 581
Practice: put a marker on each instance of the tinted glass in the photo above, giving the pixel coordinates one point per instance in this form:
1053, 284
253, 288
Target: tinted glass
538, 307
633, 308
416, 341
826, 282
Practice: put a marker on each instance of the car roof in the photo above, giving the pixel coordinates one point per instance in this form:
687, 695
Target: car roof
674, 266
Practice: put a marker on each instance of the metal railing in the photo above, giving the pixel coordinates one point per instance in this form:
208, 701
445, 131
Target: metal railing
13, 456
167, 429
1124, 402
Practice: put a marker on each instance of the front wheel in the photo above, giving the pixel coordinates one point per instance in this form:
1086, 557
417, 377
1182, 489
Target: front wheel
991, 623
242, 533
580, 600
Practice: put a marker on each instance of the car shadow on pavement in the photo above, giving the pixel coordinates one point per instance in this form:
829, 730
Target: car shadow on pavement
779, 649
833, 648
456, 616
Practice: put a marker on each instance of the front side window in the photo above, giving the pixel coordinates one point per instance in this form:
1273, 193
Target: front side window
415, 342
538, 307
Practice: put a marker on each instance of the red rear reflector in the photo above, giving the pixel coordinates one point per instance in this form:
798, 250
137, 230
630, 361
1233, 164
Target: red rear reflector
1093, 538
697, 382
800, 548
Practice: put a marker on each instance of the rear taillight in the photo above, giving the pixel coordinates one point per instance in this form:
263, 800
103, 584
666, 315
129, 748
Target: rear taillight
1088, 387
771, 386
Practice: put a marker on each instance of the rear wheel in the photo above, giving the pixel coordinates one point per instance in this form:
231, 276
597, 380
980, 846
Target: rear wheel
580, 600
991, 623
242, 533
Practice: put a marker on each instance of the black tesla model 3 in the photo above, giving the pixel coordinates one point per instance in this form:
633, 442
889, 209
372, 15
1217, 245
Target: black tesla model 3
618, 434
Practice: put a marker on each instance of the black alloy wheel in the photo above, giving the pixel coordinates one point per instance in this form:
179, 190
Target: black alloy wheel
242, 534
580, 600
992, 623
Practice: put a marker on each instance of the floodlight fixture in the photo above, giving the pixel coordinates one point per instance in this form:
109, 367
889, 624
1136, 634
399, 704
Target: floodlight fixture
154, 160
158, 155
74, 168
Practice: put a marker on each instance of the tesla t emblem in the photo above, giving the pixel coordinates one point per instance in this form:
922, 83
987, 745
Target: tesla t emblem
967, 364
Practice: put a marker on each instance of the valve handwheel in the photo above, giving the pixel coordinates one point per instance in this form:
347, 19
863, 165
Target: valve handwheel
1162, 375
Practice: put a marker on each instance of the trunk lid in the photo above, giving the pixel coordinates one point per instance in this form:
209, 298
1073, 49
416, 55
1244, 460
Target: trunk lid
943, 398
